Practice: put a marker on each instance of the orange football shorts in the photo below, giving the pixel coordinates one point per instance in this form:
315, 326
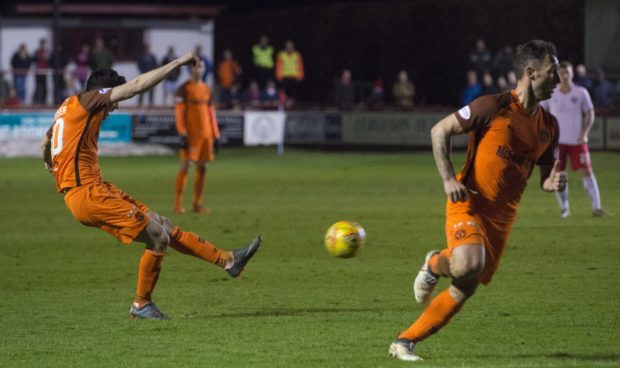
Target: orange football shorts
105, 206
198, 149
467, 224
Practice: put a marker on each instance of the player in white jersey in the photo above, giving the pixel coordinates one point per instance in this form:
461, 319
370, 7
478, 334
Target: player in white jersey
572, 106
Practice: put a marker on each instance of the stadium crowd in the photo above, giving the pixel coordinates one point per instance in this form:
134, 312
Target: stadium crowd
272, 81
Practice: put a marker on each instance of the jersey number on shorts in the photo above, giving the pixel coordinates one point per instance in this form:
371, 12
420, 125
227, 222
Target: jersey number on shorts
57, 133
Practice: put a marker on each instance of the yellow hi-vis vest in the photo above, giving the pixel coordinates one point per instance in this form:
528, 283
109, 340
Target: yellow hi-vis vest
289, 65
263, 57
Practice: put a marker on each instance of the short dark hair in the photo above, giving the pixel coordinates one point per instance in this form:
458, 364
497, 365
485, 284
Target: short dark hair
104, 78
534, 50
565, 64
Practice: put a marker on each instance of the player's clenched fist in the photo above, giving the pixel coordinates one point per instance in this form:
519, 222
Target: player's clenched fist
556, 182
190, 59
455, 190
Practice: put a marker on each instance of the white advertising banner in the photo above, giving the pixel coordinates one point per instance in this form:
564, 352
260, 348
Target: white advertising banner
263, 128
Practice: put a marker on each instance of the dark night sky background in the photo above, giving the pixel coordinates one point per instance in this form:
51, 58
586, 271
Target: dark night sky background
429, 38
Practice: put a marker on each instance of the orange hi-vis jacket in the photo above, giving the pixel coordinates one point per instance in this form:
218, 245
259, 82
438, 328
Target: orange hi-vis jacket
195, 116
74, 135
289, 65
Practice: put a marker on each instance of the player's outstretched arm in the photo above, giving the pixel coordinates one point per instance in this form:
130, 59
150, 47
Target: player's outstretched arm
440, 137
552, 179
149, 79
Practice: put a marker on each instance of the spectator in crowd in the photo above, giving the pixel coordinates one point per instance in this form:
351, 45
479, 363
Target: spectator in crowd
403, 90
170, 83
252, 96
488, 85
58, 61
12, 101
20, 62
228, 71
5, 88
82, 69
208, 65
603, 90
582, 79
233, 99
271, 97
472, 90
41, 60
480, 57
512, 79
502, 84
503, 61
376, 100
344, 92
262, 56
146, 63
289, 70
72, 87
100, 56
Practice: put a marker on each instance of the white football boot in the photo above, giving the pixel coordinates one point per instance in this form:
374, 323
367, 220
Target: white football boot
402, 349
425, 282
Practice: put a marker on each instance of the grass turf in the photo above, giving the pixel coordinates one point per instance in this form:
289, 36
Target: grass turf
65, 289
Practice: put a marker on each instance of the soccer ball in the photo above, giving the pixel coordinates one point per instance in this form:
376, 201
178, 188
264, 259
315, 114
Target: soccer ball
344, 239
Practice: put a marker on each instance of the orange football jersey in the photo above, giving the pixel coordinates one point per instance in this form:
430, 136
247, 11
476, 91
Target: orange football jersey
506, 142
74, 137
194, 115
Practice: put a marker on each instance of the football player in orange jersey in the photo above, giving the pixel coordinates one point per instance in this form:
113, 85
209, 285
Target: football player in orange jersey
197, 126
70, 153
509, 135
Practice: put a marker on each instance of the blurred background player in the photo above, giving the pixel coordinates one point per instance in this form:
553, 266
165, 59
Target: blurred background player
509, 135
197, 126
572, 106
70, 153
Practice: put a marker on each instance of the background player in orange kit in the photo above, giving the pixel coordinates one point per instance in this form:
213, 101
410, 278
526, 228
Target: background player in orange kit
70, 153
509, 135
197, 126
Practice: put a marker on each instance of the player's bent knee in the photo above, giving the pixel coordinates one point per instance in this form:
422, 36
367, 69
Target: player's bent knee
467, 261
167, 224
155, 237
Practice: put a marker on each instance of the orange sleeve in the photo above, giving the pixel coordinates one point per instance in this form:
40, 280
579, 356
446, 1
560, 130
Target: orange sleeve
279, 67
180, 108
300, 67
216, 128
179, 111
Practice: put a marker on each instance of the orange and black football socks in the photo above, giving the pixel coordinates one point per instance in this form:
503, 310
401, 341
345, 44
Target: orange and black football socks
179, 189
190, 243
148, 274
435, 316
199, 182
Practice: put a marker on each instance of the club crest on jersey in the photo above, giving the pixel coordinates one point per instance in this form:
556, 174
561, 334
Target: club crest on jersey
465, 112
103, 91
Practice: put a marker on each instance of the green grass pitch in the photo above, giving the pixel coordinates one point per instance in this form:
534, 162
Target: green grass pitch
65, 289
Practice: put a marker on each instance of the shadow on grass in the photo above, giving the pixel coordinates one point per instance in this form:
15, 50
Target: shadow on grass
560, 355
292, 312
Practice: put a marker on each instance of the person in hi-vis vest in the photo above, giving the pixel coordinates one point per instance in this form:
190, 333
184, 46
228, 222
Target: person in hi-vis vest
289, 69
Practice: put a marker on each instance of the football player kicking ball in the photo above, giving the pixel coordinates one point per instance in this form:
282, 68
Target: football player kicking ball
509, 135
70, 153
